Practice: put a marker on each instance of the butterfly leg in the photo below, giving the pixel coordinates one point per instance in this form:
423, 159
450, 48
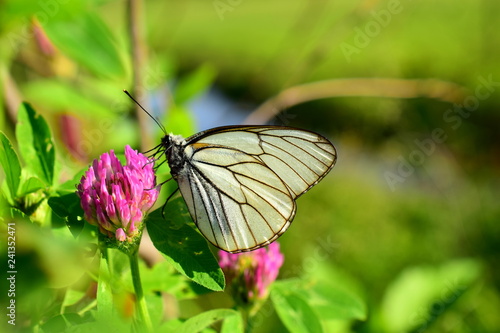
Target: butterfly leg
165, 204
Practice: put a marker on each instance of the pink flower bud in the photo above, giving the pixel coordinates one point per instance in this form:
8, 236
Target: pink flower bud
251, 273
117, 197
120, 234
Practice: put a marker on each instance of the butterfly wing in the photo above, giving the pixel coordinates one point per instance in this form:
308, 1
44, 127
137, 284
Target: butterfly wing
240, 183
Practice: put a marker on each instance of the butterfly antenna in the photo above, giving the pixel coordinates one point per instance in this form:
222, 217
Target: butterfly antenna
153, 149
149, 114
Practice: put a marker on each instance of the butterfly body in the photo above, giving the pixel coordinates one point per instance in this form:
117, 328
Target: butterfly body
240, 182
174, 148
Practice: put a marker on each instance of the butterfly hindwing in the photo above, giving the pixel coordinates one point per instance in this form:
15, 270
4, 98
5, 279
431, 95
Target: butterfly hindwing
238, 205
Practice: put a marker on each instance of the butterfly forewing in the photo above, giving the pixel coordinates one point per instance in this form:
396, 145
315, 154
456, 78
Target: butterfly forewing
240, 183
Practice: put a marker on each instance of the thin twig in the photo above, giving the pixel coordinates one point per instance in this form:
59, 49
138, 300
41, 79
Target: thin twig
392, 88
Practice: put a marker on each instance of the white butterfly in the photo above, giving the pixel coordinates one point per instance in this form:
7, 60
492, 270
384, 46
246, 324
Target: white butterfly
240, 182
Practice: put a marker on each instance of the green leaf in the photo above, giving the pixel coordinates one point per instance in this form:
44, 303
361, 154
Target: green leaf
87, 39
233, 324
72, 296
194, 83
205, 319
162, 277
336, 303
294, 310
62, 322
183, 246
155, 308
32, 197
67, 206
170, 326
332, 293
421, 294
10, 164
165, 278
35, 143
30, 185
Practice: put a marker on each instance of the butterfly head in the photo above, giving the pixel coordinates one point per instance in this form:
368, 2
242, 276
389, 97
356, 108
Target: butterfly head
166, 142
169, 141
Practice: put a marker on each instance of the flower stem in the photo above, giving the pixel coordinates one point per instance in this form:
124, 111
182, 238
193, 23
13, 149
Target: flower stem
142, 309
244, 317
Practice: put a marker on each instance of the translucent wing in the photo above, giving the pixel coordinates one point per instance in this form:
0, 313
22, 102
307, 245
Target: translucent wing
240, 183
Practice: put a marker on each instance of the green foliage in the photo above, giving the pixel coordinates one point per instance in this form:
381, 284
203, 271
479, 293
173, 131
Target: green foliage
163, 277
10, 164
183, 246
205, 319
294, 309
64, 323
232, 324
75, 35
420, 295
36, 144
322, 295
67, 206
194, 259
27, 188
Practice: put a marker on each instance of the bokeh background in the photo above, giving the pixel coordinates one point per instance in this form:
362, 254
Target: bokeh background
408, 91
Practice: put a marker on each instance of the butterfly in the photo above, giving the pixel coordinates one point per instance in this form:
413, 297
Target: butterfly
240, 183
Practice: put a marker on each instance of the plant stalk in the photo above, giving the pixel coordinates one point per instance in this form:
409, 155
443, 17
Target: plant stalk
141, 306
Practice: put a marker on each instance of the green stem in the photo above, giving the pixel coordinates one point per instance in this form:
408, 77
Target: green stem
244, 316
248, 313
142, 309
248, 324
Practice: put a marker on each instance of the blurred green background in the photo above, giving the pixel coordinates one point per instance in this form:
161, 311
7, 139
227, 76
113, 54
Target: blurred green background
408, 91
